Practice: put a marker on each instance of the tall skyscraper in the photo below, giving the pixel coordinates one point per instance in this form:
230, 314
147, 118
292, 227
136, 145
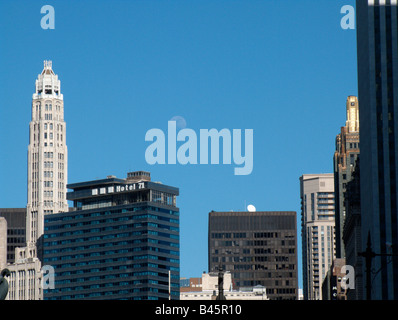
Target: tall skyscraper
377, 46
119, 241
258, 248
47, 153
347, 151
317, 231
47, 178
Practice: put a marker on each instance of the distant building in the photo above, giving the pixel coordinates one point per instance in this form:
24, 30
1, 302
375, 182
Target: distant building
331, 286
25, 280
317, 231
3, 243
190, 284
352, 233
208, 289
119, 241
25, 273
47, 178
347, 151
257, 248
15, 231
300, 295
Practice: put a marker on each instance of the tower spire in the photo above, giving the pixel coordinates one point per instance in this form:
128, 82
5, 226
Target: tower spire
352, 122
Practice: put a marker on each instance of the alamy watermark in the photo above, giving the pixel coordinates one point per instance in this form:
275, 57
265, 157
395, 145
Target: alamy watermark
348, 21
187, 153
48, 20
47, 280
348, 281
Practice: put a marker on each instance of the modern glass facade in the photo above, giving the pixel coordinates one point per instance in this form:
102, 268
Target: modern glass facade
120, 241
377, 46
258, 248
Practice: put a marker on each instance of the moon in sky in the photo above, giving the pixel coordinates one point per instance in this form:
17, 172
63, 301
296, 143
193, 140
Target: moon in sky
180, 122
251, 208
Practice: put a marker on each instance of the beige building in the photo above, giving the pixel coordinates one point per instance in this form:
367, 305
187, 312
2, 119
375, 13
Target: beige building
317, 231
47, 153
3, 243
47, 179
25, 280
207, 289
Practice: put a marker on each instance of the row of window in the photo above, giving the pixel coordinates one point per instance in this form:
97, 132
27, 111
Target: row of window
50, 126
111, 244
114, 252
104, 237
51, 136
118, 211
91, 273
106, 228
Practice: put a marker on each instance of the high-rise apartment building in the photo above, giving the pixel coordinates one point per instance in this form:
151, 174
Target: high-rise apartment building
257, 248
119, 241
317, 231
377, 46
347, 151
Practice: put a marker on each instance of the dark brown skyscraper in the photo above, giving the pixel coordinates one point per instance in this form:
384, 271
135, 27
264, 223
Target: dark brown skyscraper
258, 248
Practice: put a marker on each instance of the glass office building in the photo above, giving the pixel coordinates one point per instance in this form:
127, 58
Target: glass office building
377, 46
258, 248
119, 241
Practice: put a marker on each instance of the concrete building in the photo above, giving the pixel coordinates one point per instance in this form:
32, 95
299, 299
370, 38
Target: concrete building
47, 153
317, 231
190, 284
257, 248
377, 38
347, 151
47, 179
15, 219
25, 281
208, 289
119, 241
3, 243
331, 286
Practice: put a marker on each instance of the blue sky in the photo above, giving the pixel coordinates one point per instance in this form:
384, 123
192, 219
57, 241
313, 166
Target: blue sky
281, 68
